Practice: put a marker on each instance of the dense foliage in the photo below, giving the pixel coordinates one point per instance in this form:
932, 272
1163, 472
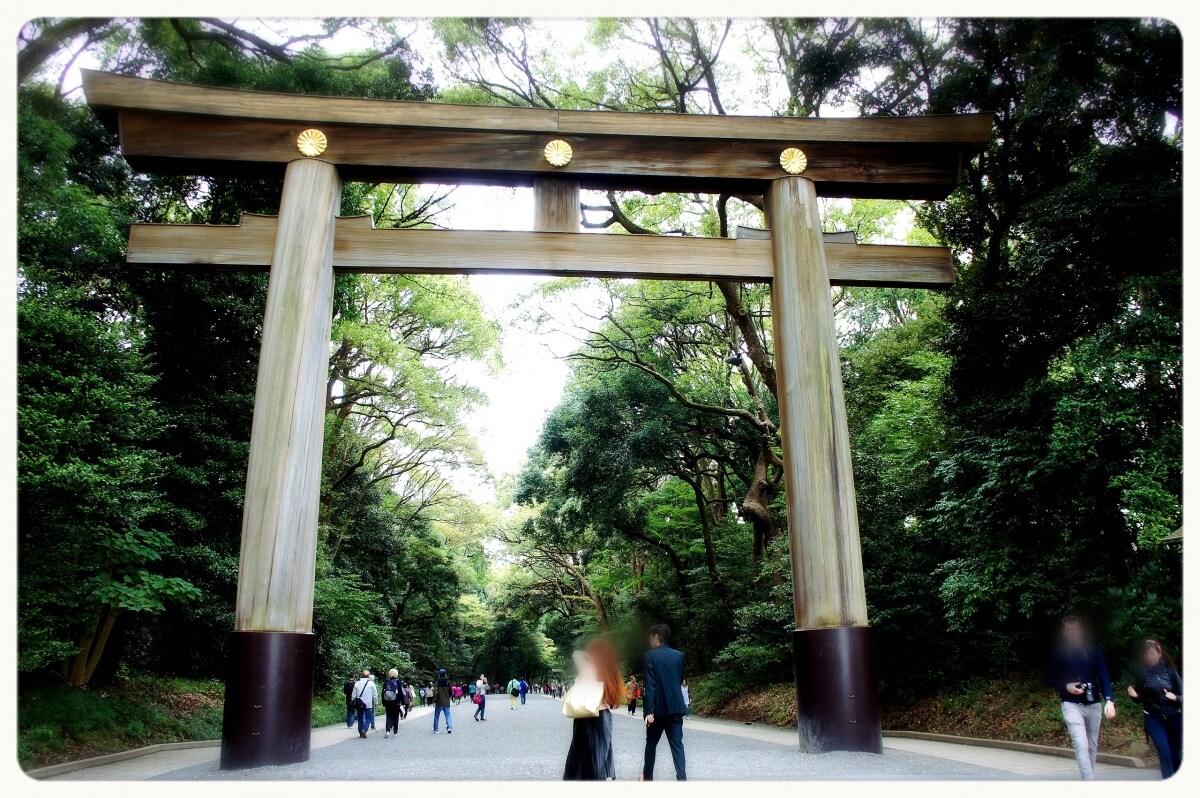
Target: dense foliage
1017, 442
1017, 439
137, 390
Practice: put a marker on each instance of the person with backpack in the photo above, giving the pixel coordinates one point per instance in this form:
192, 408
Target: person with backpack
1158, 687
392, 696
364, 702
514, 692
524, 690
442, 702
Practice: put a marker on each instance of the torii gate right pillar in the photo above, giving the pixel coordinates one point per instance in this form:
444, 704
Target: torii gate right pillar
832, 645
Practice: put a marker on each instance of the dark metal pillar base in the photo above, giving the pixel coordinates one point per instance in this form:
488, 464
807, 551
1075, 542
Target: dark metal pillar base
838, 709
268, 699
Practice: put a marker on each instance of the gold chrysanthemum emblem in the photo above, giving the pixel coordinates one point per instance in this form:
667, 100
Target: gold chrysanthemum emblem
793, 160
311, 143
558, 153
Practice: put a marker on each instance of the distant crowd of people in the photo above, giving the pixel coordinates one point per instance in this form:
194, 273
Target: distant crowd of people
597, 689
398, 696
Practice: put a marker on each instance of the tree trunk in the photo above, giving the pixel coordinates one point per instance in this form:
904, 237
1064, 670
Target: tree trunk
79, 669
710, 552
755, 505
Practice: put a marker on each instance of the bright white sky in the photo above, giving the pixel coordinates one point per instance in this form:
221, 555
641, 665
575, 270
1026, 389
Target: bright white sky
534, 374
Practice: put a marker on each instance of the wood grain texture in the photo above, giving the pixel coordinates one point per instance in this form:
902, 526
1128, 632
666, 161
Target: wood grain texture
827, 574
556, 205
361, 248
216, 145
283, 478
108, 92
836, 237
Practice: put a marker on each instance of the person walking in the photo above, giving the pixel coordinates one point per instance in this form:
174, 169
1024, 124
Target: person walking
480, 697
441, 699
392, 696
348, 689
597, 689
405, 699
364, 702
687, 698
1158, 687
633, 692
663, 709
514, 692
524, 690
375, 705
1077, 671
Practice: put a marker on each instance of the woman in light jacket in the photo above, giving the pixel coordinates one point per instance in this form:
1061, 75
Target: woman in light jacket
590, 757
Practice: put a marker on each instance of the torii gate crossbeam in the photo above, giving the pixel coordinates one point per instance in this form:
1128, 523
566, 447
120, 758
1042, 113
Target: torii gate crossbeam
316, 143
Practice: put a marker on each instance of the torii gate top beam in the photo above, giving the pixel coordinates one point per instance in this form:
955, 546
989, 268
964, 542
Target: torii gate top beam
188, 129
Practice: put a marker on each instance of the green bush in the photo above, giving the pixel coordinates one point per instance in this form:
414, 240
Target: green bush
329, 709
712, 692
55, 723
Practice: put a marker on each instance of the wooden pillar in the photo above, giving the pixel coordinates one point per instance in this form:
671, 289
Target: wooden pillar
832, 644
268, 702
556, 205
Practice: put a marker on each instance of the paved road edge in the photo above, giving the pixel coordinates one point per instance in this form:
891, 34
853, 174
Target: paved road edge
1010, 745
1013, 745
119, 756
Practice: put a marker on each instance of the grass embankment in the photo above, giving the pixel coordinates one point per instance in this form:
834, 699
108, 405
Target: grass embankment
1018, 708
56, 723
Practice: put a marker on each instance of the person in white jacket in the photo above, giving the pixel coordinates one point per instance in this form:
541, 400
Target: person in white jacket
364, 699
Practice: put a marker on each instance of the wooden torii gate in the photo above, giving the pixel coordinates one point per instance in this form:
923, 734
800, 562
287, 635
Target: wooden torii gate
315, 143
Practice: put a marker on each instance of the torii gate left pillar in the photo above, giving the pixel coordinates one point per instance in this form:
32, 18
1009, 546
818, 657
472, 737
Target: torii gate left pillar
268, 696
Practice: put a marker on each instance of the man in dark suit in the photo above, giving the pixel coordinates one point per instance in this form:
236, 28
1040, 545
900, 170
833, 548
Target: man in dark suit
663, 705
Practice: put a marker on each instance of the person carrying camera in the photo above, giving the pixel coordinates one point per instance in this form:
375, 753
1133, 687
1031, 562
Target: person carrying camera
1078, 673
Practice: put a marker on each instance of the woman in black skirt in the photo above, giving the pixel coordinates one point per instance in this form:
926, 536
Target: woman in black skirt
590, 757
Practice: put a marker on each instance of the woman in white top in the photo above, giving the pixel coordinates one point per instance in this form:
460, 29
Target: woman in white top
590, 757
481, 685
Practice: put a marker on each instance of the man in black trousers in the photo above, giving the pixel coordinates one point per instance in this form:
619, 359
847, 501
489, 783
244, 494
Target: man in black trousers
663, 705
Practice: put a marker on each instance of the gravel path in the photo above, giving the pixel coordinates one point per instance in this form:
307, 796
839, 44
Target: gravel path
531, 743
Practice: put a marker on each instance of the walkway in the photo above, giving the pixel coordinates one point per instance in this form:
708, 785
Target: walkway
531, 743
